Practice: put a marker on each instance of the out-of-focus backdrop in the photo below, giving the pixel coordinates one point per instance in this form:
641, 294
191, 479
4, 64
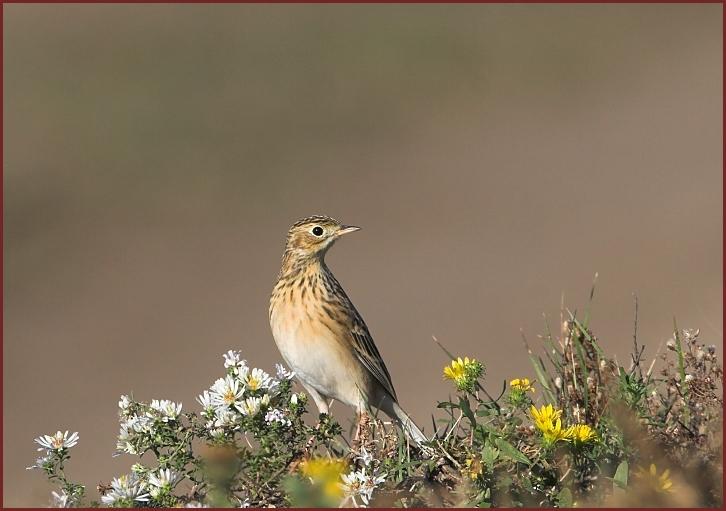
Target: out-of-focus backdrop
496, 157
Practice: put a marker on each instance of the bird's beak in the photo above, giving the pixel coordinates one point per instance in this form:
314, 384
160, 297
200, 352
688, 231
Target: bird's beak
345, 229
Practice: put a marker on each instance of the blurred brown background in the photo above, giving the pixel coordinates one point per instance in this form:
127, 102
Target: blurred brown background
496, 156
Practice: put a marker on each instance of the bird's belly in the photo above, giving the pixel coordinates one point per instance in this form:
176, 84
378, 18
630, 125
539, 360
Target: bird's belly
318, 358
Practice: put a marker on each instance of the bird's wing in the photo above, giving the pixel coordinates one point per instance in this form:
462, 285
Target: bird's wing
366, 351
359, 336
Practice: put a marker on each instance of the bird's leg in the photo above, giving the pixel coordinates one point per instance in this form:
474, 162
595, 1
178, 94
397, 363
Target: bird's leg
320, 401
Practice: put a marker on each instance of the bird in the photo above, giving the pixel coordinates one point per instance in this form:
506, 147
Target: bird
322, 336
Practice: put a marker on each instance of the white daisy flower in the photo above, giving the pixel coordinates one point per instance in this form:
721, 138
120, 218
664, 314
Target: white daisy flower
169, 410
124, 403
123, 442
365, 456
61, 499
139, 424
57, 442
205, 399
283, 373
370, 484
125, 491
226, 392
233, 361
293, 399
251, 406
258, 379
360, 485
216, 433
39, 462
276, 415
128, 432
225, 418
163, 482
351, 485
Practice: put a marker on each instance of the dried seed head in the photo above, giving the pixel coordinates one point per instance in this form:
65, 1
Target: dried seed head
691, 334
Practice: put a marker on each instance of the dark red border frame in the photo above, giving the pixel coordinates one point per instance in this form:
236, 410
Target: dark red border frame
363, 2
2, 138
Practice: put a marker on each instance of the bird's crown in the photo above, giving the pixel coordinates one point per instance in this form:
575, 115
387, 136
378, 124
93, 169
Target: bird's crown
321, 220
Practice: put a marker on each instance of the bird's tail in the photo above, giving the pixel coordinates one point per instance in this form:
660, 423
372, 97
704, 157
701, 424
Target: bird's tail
409, 427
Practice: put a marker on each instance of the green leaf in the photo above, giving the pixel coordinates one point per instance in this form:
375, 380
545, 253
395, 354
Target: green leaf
489, 455
466, 410
488, 430
587, 336
542, 378
621, 475
511, 452
564, 498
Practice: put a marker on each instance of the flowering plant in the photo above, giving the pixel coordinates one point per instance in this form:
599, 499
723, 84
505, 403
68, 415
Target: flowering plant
585, 431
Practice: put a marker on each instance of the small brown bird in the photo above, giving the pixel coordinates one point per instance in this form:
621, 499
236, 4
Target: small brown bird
321, 335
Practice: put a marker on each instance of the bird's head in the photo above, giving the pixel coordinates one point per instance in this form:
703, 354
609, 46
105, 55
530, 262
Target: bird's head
314, 235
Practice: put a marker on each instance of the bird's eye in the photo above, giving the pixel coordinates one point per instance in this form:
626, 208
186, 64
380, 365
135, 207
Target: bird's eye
317, 230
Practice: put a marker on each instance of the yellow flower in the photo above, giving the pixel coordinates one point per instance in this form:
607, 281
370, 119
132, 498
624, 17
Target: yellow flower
464, 373
521, 385
474, 467
326, 473
659, 483
548, 422
580, 434
455, 371
545, 417
518, 394
554, 433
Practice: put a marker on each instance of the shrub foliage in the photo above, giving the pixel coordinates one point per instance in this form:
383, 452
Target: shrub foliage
582, 429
